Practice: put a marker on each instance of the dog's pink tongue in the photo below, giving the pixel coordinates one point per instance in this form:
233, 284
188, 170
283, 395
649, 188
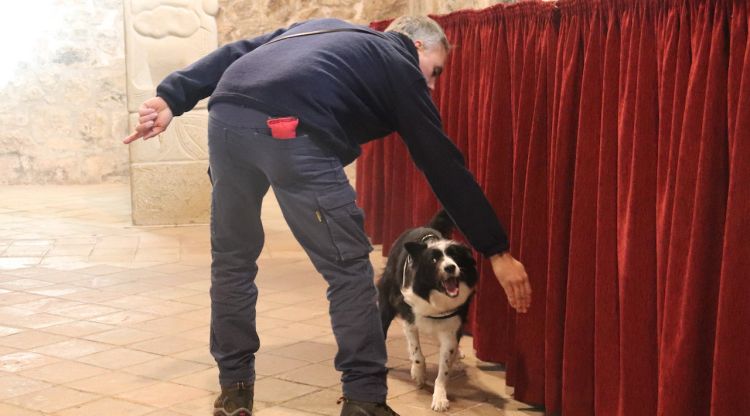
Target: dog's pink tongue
451, 286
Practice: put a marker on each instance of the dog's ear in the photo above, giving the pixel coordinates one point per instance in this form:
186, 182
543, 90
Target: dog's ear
463, 255
414, 248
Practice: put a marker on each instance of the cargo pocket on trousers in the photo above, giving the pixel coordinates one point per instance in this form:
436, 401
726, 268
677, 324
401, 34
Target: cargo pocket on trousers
345, 222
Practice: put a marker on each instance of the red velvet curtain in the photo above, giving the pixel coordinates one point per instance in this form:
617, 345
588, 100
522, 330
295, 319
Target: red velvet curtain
613, 139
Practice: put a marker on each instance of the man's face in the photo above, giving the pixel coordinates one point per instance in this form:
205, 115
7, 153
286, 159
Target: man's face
431, 61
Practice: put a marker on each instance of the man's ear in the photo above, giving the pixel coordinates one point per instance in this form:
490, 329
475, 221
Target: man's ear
414, 248
418, 44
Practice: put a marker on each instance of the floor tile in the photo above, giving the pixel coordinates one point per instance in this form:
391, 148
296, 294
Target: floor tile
198, 355
107, 406
283, 411
269, 343
40, 320
78, 328
24, 284
52, 399
295, 313
168, 307
207, 379
19, 361
163, 394
7, 330
73, 348
123, 318
308, 351
269, 364
320, 402
63, 372
8, 410
197, 407
167, 325
10, 263
118, 358
7, 350
167, 345
48, 305
13, 297
12, 385
165, 368
199, 335
112, 383
101, 270
275, 391
134, 302
298, 331
55, 290
315, 375
71, 250
85, 311
176, 293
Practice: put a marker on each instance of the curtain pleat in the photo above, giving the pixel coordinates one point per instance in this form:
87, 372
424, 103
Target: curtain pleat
731, 361
612, 139
606, 285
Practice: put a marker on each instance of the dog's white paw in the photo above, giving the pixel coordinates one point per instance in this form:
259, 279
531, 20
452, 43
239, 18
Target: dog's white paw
461, 354
440, 402
418, 372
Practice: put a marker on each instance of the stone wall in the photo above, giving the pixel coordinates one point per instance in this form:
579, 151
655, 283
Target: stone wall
62, 82
239, 19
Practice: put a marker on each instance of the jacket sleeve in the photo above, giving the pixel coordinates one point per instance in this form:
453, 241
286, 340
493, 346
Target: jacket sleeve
419, 124
184, 88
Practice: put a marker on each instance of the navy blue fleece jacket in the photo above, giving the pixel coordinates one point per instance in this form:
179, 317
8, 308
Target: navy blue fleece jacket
347, 88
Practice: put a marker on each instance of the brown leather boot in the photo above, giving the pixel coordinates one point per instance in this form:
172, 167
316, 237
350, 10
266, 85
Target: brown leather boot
235, 400
357, 408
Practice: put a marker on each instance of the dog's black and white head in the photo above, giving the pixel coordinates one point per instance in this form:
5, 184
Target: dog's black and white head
440, 272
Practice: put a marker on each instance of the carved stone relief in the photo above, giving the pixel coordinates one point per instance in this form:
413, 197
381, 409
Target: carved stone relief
185, 139
162, 36
169, 184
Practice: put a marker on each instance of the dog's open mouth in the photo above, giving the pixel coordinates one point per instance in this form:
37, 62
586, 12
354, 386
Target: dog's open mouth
451, 286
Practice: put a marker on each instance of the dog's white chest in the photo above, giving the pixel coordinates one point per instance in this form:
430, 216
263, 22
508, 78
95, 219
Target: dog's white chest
438, 326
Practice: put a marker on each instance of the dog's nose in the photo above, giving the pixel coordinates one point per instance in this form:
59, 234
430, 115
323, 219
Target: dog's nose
450, 268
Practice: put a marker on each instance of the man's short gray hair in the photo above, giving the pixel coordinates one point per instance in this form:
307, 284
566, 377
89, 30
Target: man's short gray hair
420, 28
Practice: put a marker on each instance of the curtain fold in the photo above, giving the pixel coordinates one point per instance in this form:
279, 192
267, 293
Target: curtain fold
611, 137
731, 362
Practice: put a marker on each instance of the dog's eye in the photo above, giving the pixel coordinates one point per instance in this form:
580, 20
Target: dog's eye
434, 260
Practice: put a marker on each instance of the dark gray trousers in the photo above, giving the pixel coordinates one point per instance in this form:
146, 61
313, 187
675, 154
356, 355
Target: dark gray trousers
319, 205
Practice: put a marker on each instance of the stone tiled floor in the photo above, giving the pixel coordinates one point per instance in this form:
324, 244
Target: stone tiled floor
98, 317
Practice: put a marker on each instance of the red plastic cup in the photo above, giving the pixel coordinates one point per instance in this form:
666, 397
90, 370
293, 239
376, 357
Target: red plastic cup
283, 127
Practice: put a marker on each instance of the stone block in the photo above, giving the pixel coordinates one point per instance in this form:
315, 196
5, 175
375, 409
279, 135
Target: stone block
170, 193
163, 36
386, 9
169, 184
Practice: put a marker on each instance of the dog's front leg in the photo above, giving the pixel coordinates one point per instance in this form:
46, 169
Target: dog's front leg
448, 353
418, 365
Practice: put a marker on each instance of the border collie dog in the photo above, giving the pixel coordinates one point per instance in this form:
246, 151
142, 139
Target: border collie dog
428, 282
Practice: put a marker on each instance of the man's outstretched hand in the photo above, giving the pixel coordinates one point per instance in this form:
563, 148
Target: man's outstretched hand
154, 117
513, 278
